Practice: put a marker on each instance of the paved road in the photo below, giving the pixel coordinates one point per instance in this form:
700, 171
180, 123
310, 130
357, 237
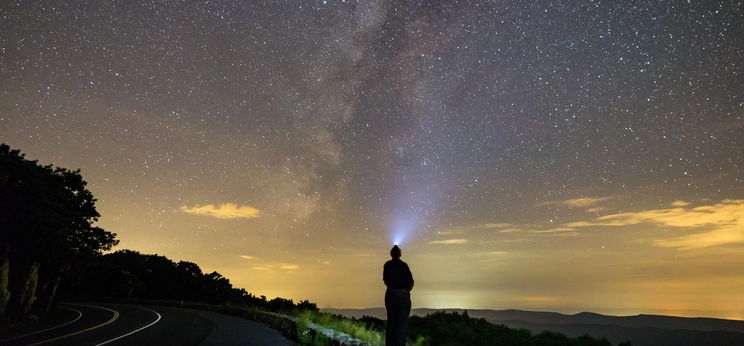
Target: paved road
122, 324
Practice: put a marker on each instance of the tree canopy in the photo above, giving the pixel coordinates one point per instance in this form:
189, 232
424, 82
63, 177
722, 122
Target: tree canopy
127, 274
49, 208
47, 216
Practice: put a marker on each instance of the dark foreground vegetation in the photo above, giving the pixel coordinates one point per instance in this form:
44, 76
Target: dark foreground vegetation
50, 250
445, 328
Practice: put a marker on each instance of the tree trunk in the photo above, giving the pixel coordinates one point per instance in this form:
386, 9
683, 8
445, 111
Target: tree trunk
48, 290
49, 299
26, 278
4, 279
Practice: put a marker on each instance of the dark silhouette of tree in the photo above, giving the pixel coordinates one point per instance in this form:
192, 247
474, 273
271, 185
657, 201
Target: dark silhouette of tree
372, 323
47, 217
305, 305
128, 274
442, 328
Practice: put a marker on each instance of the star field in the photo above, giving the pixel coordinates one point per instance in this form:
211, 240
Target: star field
542, 155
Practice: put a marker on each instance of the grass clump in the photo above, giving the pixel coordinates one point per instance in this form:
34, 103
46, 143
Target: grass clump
356, 328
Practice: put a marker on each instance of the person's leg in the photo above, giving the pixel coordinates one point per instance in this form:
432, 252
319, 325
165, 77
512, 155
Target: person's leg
405, 310
391, 315
400, 315
395, 304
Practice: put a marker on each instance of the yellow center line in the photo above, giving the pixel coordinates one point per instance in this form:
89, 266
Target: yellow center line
116, 315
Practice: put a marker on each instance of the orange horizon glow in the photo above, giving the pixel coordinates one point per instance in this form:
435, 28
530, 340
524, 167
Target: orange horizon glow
652, 268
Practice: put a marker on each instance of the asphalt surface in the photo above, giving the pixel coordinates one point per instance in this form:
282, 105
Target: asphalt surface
123, 324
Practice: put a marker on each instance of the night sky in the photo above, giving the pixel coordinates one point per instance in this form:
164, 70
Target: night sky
545, 155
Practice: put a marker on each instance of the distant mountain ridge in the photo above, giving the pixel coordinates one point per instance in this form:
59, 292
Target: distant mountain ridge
640, 330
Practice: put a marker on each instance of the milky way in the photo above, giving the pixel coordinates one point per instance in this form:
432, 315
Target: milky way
545, 154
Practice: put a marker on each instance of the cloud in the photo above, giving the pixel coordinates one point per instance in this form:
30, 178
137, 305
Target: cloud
718, 236
579, 202
560, 230
725, 212
493, 225
223, 211
540, 299
510, 230
270, 267
556, 230
449, 241
680, 204
247, 257
717, 224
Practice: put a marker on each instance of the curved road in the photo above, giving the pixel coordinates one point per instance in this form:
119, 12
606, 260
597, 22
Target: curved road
123, 324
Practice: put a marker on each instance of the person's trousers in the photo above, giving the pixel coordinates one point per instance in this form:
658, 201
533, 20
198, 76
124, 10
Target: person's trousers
398, 305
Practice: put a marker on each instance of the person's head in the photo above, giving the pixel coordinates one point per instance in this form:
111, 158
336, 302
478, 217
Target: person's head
395, 252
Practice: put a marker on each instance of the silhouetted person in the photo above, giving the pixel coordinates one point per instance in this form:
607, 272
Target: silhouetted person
399, 282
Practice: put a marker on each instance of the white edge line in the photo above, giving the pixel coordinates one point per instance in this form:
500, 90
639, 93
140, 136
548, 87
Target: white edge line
134, 331
80, 314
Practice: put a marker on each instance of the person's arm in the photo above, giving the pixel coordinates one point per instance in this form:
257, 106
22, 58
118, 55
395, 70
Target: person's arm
410, 278
385, 274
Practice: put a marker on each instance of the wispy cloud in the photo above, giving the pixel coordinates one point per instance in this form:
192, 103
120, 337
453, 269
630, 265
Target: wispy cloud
540, 299
493, 225
717, 224
510, 230
247, 257
449, 241
223, 211
289, 266
556, 230
560, 230
708, 225
579, 202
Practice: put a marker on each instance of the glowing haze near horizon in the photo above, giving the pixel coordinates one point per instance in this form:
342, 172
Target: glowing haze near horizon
548, 155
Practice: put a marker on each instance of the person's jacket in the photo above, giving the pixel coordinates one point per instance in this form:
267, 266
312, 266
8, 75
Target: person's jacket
396, 275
